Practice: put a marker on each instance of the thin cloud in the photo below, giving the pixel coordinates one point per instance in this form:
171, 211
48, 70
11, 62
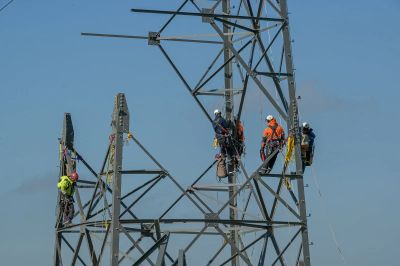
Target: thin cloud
40, 184
313, 98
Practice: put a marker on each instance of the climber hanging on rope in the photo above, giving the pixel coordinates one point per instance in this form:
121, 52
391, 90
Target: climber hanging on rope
272, 140
307, 145
221, 131
220, 126
66, 185
229, 135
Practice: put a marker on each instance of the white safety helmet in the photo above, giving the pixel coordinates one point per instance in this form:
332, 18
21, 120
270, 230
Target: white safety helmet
306, 125
269, 118
216, 111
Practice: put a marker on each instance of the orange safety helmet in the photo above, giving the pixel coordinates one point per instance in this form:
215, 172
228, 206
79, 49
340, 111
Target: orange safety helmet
74, 176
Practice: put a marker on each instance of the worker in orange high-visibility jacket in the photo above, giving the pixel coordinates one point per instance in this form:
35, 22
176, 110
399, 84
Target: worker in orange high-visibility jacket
273, 139
239, 137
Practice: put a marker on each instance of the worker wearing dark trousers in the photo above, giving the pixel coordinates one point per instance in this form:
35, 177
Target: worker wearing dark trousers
272, 140
66, 185
221, 132
307, 145
67, 205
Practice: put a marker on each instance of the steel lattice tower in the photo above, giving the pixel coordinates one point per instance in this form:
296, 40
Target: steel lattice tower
238, 66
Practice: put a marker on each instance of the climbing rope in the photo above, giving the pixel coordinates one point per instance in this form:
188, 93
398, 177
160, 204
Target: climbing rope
215, 143
108, 174
110, 161
288, 158
108, 181
333, 234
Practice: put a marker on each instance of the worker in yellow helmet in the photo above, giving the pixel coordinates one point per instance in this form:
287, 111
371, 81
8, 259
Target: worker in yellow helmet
66, 185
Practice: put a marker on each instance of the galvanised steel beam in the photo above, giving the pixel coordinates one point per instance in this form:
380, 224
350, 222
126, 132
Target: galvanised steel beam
78, 247
72, 249
97, 180
255, 22
172, 17
185, 82
246, 81
142, 186
66, 143
227, 61
261, 224
265, 235
291, 176
92, 252
141, 172
161, 254
184, 193
181, 258
169, 175
207, 15
124, 36
120, 125
105, 185
125, 196
233, 237
299, 254
279, 198
261, 261
294, 125
139, 197
237, 25
234, 248
136, 244
161, 242
217, 253
286, 247
103, 245
250, 73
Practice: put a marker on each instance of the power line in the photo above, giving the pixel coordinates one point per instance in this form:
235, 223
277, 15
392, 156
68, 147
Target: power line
6, 5
333, 234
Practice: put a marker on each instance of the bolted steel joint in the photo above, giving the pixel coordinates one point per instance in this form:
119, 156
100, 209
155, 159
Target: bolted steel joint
207, 19
153, 38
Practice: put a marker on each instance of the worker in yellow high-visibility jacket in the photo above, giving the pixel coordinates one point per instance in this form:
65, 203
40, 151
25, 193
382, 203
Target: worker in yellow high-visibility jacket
66, 185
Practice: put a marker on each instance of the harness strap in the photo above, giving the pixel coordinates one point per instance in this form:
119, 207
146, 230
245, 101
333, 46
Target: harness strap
273, 128
218, 124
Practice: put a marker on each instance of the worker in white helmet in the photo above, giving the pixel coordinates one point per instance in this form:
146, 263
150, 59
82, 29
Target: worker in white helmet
273, 139
220, 126
221, 130
307, 144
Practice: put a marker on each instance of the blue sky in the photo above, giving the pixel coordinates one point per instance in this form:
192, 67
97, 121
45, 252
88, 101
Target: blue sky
346, 58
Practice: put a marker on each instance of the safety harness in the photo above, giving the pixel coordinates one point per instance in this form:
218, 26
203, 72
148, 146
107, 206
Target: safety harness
217, 124
271, 142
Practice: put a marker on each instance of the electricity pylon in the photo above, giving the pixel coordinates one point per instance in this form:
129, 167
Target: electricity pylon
263, 208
